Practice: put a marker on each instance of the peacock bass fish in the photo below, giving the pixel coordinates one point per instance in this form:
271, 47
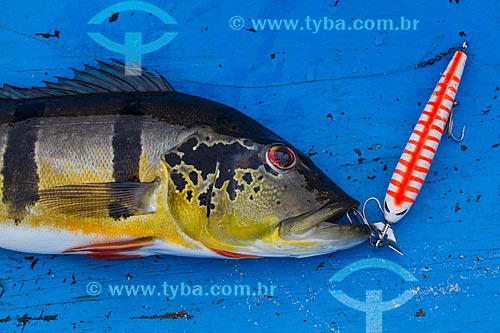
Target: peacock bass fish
119, 166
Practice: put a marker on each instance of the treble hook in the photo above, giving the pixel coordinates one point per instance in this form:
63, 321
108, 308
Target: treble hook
450, 126
381, 232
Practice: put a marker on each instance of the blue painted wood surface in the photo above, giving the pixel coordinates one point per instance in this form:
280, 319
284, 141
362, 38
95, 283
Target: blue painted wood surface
343, 110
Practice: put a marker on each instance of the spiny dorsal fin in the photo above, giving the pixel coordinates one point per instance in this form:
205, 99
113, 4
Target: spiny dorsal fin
107, 78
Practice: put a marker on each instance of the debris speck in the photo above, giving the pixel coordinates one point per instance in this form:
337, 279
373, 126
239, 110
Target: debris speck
420, 313
25, 319
114, 17
56, 34
455, 288
311, 152
33, 263
167, 315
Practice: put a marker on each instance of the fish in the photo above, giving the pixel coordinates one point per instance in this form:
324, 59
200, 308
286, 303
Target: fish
416, 159
116, 166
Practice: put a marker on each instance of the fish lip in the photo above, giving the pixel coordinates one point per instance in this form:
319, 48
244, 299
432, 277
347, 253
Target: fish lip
318, 218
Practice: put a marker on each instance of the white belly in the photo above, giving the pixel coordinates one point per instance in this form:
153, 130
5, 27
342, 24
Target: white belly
44, 240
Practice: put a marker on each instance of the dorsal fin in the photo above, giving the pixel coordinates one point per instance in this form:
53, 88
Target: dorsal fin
107, 78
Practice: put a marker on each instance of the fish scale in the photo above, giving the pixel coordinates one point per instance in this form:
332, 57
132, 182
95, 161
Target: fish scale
78, 150
416, 159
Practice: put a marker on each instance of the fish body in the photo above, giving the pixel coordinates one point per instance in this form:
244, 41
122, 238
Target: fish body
413, 166
116, 166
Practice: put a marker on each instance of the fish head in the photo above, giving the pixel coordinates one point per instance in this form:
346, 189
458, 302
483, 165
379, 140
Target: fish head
242, 197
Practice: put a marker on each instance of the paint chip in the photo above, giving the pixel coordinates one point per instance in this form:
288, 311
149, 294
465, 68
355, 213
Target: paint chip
420, 313
114, 17
168, 315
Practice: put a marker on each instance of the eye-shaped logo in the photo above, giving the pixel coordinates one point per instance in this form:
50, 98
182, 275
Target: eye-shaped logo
373, 306
133, 49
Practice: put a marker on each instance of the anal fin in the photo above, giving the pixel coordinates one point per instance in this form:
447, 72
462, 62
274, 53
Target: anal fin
114, 250
233, 255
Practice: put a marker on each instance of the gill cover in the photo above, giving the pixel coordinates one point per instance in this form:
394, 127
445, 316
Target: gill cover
208, 174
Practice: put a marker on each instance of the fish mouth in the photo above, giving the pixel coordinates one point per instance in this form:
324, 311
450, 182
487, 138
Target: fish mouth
319, 224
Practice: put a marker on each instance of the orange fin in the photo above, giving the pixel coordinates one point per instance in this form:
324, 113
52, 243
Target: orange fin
116, 250
232, 254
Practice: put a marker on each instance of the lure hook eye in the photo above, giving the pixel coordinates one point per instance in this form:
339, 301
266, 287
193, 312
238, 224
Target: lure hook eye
280, 158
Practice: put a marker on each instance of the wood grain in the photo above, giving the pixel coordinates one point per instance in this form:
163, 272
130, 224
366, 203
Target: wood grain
353, 119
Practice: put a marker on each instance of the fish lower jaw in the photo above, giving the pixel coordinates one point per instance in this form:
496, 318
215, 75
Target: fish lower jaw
290, 235
308, 244
312, 222
317, 234
327, 231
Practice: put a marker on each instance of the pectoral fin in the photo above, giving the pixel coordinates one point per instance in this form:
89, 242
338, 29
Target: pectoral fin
116, 200
117, 250
233, 255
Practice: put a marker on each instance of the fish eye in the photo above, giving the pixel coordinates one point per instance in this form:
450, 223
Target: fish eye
280, 158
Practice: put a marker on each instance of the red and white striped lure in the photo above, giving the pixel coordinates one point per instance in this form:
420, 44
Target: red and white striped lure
414, 163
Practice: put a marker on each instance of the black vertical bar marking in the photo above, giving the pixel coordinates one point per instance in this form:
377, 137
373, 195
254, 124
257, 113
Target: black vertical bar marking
127, 148
20, 186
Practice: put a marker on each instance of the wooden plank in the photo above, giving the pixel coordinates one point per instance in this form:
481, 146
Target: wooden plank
325, 93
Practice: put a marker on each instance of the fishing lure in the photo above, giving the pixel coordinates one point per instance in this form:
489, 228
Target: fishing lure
413, 166
416, 159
